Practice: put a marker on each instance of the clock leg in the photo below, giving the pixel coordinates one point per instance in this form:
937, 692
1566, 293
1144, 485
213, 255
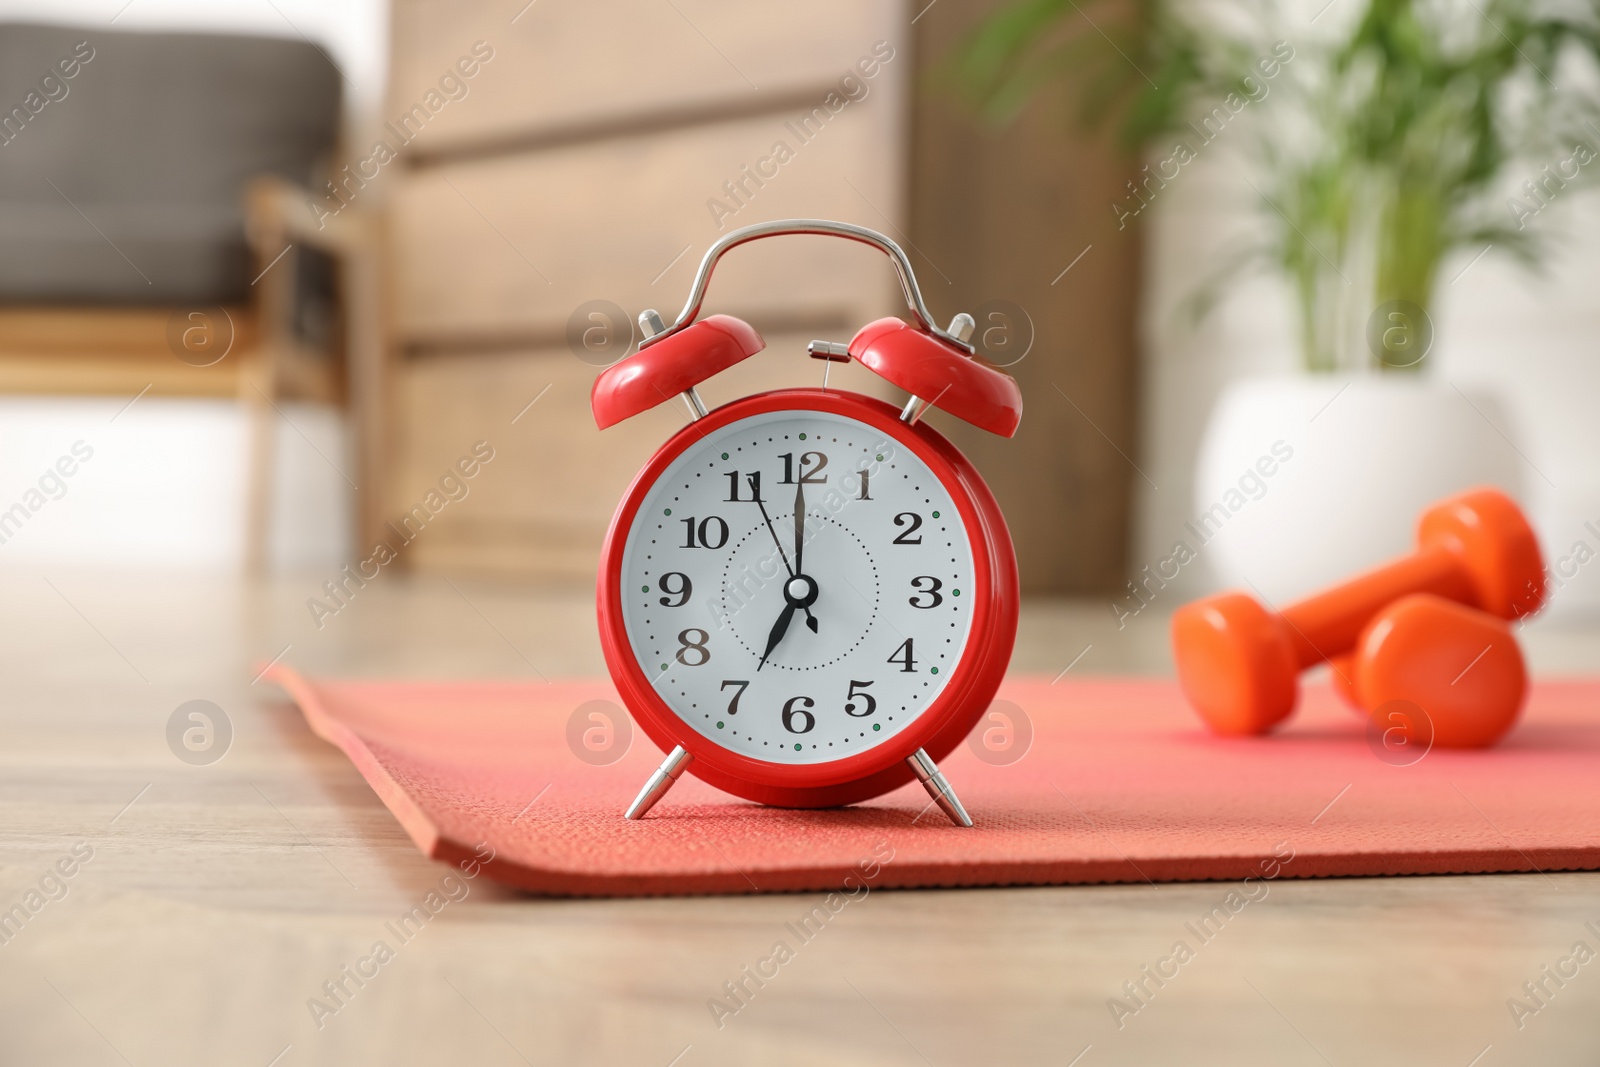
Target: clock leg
674, 765
933, 780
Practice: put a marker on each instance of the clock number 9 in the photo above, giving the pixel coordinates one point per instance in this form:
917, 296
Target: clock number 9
688, 644
683, 592
870, 703
932, 590
790, 714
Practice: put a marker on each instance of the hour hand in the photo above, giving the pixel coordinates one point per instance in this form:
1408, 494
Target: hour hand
779, 628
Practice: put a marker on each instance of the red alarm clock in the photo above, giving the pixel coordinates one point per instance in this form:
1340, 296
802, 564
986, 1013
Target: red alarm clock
808, 596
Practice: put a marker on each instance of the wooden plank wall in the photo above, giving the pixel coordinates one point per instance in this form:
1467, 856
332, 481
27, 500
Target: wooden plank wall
582, 160
1001, 213
581, 164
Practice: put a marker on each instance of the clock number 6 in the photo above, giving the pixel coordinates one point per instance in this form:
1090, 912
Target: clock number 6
932, 590
688, 643
870, 705
790, 714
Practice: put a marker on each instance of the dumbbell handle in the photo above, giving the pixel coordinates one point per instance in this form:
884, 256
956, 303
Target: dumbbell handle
1326, 624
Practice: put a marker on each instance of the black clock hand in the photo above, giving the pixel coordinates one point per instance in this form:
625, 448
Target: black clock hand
762, 505
782, 625
799, 526
794, 572
779, 628
800, 542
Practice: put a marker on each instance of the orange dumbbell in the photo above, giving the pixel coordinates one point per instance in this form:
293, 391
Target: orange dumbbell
1239, 662
1461, 668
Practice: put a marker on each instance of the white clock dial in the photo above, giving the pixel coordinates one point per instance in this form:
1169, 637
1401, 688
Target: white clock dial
797, 653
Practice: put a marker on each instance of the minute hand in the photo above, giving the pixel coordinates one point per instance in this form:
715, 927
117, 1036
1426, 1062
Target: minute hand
754, 485
800, 542
793, 571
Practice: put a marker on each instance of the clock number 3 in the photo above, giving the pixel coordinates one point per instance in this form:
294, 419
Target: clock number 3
931, 590
691, 646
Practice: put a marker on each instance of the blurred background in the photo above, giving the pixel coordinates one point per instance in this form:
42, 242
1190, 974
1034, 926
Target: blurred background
1271, 276
300, 306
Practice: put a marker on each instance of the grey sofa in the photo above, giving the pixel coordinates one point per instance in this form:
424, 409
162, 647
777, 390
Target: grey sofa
124, 155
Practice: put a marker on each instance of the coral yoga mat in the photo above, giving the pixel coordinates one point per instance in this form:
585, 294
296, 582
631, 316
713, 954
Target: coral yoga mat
1118, 784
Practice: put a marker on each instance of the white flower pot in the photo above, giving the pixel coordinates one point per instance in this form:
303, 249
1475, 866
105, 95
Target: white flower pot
1568, 521
1303, 481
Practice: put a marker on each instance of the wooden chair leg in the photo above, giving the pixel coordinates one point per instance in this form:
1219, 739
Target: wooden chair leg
259, 378
260, 457
365, 364
275, 219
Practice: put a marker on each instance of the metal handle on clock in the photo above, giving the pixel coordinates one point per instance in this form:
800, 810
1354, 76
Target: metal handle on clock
825, 228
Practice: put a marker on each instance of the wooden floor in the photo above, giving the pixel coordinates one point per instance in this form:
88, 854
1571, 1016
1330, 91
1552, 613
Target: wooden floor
219, 899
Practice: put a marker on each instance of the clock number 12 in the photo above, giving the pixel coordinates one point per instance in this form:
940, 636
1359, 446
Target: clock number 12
813, 476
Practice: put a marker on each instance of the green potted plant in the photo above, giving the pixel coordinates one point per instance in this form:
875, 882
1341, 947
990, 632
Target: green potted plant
1385, 149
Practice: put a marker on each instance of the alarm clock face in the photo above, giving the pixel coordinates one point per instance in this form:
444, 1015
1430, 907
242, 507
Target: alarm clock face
797, 586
